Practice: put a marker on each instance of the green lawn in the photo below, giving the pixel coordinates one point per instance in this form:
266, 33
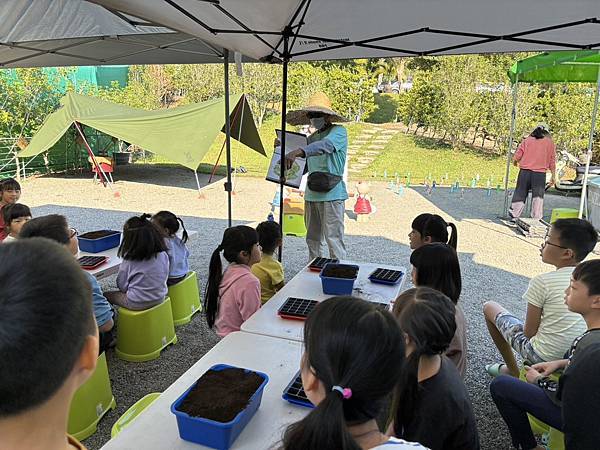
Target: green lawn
403, 154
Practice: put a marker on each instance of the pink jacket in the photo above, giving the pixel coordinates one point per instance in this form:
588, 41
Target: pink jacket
239, 298
537, 155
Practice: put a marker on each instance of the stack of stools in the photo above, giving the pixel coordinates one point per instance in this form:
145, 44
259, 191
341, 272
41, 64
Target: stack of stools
185, 299
293, 217
142, 335
91, 401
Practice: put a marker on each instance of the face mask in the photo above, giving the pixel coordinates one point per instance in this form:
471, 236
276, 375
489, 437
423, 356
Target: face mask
317, 122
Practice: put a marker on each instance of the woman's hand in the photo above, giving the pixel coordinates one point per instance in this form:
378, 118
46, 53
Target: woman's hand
546, 369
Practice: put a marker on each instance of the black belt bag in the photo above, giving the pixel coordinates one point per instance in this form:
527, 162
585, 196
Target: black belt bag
322, 181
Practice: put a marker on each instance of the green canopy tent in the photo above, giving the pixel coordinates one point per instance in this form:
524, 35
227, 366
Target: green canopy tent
183, 134
555, 67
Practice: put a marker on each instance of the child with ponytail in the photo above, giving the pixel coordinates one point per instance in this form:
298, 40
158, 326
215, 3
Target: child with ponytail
168, 223
232, 297
428, 228
353, 358
430, 403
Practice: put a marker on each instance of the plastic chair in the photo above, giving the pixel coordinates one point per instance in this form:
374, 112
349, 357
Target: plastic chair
563, 213
185, 299
293, 224
91, 402
134, 410
142, 335
556, 439
106, 165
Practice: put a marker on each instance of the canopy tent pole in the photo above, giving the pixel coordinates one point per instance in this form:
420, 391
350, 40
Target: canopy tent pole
513, 120
588, 158
227, 136
197, 180
283, 130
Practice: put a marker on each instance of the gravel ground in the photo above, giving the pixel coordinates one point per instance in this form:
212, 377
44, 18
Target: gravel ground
496, 262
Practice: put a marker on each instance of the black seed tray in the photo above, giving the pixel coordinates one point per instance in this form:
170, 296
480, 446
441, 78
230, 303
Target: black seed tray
384, 306
294, 392
296, 308
318, 263
386, 276
91, 261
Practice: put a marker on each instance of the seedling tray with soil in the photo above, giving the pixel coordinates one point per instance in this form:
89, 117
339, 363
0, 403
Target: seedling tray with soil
98, 241
215, 409
338, 279
294, 393
296, 308
386, 276
318, 263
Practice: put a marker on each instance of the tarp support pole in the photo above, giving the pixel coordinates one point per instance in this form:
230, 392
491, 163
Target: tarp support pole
100, 171
513, 120
227, 136
283, 127
588, 157
197, 180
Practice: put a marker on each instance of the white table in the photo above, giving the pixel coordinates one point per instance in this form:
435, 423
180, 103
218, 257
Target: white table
307, 284
156, 427
111, 267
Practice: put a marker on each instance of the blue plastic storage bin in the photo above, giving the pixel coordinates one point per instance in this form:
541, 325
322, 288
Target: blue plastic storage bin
217, 434
338, 286
99, 245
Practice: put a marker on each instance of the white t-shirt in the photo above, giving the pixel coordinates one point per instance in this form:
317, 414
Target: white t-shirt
558, 326
399, 444
9, 238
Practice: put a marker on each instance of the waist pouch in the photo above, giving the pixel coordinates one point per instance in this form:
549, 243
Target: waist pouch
322, 181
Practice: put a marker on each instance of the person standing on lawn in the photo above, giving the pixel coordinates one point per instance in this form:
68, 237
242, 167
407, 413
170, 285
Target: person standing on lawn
326, 193
535, 156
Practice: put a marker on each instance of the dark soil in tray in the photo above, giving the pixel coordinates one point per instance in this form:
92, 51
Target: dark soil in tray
340, 272
97, 234
220, 395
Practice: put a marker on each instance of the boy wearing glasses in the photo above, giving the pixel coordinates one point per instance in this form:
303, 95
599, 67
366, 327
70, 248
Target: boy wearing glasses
549, 326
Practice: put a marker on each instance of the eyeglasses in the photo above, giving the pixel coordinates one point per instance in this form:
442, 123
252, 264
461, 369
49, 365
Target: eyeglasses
72, 233
550, 243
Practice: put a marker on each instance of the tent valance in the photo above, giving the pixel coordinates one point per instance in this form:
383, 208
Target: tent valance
182, 134
557, 67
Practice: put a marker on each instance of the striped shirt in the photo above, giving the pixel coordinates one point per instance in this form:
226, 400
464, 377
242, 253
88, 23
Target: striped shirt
558, 326
399, 444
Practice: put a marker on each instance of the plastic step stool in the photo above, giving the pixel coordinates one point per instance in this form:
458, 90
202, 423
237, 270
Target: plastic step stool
134, 410
185, 299
293, 224
91, 402
142, 335
563, 213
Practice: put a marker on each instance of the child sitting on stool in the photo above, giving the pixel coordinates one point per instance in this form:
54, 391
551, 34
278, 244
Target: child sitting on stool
269, 271
168, 223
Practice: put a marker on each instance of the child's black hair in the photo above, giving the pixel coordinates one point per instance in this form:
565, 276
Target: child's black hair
269, 234
578, 235
142, 240
52, 226
539, 133
426, 316
438, 268
351, 344
435, 227
9, 184
45, 316
15, 211
588, 272
236, 239
170, 222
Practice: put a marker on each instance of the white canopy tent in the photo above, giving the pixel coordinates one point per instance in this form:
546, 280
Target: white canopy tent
303, 30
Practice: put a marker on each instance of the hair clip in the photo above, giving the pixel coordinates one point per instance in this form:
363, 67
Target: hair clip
346, 393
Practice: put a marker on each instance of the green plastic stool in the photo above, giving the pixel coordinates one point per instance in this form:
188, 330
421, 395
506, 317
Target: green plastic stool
91, 401
556, 439
293, 224
563, 213
142, 335
185, 299
134, 410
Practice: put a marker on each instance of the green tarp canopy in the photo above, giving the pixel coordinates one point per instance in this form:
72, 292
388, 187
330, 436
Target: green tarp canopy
557, 67
183, 134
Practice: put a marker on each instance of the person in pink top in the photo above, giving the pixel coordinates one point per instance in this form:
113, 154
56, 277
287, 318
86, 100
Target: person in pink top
535, 156
233, 296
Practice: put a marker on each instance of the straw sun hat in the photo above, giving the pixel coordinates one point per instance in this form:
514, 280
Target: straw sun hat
317, 103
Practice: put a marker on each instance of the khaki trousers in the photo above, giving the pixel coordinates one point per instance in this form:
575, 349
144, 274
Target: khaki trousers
325, 225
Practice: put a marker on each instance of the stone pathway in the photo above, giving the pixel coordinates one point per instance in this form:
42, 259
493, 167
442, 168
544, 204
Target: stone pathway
365, 148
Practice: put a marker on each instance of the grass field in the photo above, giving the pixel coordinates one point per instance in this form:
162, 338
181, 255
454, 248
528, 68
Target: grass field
403, 154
